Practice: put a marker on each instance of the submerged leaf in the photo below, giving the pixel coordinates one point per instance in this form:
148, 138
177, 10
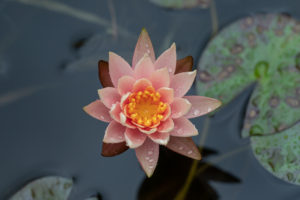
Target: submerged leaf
280, 153
167, 181
181, 4
262, 49
52, 187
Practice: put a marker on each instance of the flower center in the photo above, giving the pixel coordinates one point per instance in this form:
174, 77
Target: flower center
145, 107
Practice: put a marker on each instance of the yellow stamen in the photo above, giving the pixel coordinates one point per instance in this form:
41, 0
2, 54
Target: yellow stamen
145, 107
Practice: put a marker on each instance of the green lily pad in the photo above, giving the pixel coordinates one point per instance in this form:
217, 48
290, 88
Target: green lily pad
180, 4
262, 49
46, 188
280, 153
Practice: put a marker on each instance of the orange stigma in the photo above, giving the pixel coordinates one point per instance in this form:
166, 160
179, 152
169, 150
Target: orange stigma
145, 108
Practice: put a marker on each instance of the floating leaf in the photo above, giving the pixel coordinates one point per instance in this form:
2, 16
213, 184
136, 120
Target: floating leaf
167, 181
280, 153
180, 4
263, 49
52, 187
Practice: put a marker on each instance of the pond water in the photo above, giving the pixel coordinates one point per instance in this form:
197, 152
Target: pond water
47, 76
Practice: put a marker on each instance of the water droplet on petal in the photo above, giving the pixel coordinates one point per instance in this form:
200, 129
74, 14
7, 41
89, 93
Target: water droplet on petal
190, 152
209, 109
150, 152
150, 167
147, 45
151, 160
148, 51
147, 158
180, 148
179, 131
196, 112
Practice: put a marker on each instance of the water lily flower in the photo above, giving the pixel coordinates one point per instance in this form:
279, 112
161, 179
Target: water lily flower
146, 106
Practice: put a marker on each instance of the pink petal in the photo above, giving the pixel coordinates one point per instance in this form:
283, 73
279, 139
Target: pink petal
147, 155
184, 146
183, 128
166, 94
182, 82
201, 105
143, 46
141, 85
114, 133
148, 131
167, 113
180, 107
166, 126
118, 67
125, 121
160, 138
160, 78
109, 96
134, 138
98, 110
144, 68
125, 84
167, 59
124, 99
115, 112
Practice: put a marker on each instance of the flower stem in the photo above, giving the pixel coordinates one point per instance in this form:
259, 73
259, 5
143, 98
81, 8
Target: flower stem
221, 157
194, 171
183, 191
214, 18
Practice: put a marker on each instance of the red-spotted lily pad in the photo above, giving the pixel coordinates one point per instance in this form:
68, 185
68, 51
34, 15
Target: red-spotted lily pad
279, 153
181, 4
264, 49
52, 187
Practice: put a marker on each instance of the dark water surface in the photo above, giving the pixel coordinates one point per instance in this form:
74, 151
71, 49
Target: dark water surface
43, 129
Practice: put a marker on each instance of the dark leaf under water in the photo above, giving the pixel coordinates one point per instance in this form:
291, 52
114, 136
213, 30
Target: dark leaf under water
171, 173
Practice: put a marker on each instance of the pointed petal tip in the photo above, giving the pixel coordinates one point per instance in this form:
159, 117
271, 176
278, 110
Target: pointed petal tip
110, 53
144, 31
192, 72
149, 175
198, 155
219, 103
85, 109
173, 45
199, 158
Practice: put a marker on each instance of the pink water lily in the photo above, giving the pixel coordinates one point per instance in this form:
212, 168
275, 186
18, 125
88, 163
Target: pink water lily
146, 106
